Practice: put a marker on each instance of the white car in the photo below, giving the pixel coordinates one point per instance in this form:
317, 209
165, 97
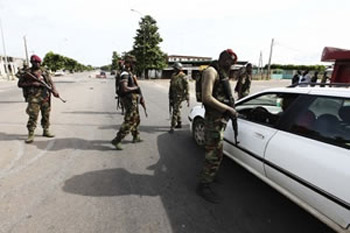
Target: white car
59, 73
297, 139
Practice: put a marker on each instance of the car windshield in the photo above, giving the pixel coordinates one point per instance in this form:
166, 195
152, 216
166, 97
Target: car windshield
272, 102
266, 100
266, 108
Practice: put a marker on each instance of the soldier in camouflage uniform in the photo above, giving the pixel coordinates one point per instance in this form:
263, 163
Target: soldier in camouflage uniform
244, 82
178, 92
213, 98
37, 96
129, 94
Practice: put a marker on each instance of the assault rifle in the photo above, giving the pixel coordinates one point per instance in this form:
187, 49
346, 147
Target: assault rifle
171, 104
170, 108
45, 85
230, 102
143, 102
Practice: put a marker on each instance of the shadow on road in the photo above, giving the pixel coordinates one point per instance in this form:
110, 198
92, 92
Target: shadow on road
60, 143
90, 112
109, 182
11, 101
248, 204
142, 128
11, 137
75, 143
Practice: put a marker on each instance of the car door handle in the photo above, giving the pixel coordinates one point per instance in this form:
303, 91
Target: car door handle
259, 135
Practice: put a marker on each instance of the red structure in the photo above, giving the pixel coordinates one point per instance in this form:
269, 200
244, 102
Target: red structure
341, 57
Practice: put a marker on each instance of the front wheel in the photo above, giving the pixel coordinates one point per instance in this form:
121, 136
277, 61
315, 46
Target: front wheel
198, 131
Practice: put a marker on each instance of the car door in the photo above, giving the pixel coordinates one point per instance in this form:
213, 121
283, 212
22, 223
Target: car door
256, 126
309, 156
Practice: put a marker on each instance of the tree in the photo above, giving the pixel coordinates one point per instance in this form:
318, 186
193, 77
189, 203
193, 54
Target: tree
53, 61
298, 67
146, 47
115, 61
56, 62
70, 64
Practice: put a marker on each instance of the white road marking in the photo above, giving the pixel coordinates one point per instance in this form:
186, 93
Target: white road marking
11, 170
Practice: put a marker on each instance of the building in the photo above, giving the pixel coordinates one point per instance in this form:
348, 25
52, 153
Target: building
13, 65
192, 65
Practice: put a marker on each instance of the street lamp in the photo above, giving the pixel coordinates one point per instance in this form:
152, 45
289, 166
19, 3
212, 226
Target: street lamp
136, 11
144, 42
4, 48
26, 49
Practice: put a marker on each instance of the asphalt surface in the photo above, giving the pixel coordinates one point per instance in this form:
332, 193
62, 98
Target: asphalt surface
77, 181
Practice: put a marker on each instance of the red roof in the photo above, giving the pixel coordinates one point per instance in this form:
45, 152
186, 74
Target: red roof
332, 54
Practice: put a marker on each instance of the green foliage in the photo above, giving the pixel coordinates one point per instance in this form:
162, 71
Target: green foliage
106, 68
56, 62
319, 68
115, 61
146, 46
70, 64
53, 61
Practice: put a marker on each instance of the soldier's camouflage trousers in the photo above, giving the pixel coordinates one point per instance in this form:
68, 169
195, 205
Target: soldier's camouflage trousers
131, 118
33, 110
176, 114
214, 135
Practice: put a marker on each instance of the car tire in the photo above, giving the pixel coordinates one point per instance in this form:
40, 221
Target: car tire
198, 131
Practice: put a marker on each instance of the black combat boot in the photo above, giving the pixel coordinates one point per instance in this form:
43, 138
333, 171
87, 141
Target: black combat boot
205, 191
178, 126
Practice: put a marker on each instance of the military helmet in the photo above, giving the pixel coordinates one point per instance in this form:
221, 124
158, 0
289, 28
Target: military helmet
35, 58
177, 65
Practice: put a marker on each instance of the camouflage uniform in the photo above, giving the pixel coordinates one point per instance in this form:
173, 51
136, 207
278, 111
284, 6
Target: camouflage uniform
243, 85
119, 102
130, 102
214, 126
178, 92
38, 98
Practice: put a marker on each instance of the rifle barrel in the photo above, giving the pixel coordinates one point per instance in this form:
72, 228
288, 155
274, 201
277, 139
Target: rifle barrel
45, 85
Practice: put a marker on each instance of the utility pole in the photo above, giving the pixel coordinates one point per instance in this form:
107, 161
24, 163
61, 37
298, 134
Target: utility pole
260, 66
26, 49
4, 48
269, 64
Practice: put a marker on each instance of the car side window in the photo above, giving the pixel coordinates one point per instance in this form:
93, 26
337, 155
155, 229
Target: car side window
325, 119
266, 109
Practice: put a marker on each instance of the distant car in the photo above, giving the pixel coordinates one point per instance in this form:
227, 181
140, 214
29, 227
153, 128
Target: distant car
112, 72
298, 141
59, 73
102, 74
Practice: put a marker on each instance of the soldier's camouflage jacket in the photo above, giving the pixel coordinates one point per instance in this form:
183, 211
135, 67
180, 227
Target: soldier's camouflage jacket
33, 93
178, 89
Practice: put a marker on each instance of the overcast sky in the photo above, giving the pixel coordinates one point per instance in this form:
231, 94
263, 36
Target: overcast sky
88, 31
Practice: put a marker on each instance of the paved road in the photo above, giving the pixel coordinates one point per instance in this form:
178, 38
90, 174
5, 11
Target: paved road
77, 182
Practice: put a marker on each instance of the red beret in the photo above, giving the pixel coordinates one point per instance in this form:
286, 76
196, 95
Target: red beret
35, 58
